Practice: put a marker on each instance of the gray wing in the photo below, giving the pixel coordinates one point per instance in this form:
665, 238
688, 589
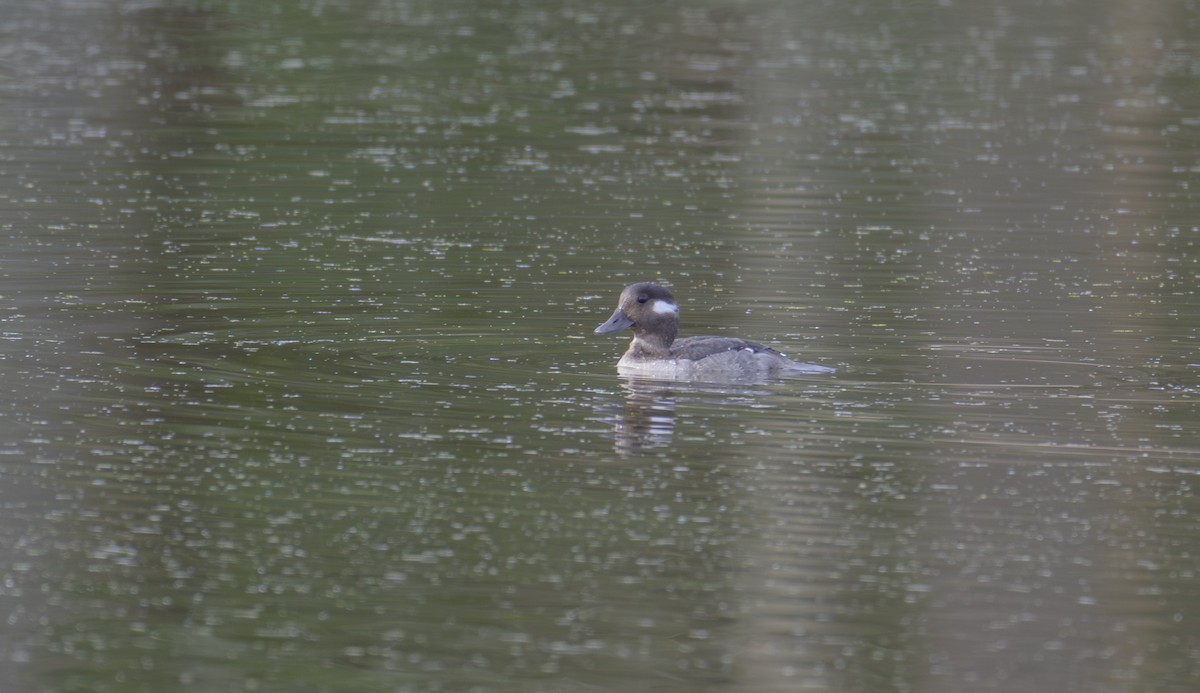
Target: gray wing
696, 348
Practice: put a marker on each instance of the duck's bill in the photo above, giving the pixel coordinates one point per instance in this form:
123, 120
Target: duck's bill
618, 321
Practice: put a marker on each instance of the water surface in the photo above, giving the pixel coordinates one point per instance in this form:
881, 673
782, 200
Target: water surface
297, 329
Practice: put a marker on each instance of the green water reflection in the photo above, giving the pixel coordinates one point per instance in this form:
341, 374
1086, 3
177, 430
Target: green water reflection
297, 312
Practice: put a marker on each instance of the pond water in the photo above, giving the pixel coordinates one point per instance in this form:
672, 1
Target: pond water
303, 395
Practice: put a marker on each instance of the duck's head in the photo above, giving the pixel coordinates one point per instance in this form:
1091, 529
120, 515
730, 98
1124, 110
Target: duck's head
649, 310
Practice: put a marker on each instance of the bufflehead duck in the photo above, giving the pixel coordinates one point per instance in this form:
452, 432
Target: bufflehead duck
652, 313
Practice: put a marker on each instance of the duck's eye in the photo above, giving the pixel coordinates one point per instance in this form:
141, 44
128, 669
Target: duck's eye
642, 298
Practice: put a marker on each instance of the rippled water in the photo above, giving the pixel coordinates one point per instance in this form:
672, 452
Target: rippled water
296, 325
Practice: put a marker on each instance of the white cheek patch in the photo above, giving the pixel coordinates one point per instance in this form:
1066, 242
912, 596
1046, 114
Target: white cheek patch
666, 308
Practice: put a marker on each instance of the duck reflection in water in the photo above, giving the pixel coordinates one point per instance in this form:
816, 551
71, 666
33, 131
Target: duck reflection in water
648, 419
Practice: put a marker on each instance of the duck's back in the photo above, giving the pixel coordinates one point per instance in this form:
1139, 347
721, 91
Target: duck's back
736, 357
700, 347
